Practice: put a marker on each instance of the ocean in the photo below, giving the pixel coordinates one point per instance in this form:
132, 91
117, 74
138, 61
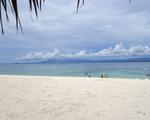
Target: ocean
113, 69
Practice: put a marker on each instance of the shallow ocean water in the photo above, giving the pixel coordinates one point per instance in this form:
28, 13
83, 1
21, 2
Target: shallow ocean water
114, 69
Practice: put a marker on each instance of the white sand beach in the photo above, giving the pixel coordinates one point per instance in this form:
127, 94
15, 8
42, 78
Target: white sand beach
68, 98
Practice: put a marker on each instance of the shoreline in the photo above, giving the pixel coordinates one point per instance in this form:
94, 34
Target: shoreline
109, 78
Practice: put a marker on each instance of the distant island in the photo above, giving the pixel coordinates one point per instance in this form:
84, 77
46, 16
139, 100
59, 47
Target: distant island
65, 60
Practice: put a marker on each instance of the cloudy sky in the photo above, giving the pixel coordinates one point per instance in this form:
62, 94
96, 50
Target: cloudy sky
101, 28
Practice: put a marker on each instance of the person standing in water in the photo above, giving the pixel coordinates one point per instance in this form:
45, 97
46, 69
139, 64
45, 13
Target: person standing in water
102, 76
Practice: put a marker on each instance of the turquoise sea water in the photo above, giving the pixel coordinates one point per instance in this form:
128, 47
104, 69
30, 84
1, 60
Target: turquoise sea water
115, 70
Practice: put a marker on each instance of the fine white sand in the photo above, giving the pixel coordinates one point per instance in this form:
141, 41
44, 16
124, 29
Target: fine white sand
67, 98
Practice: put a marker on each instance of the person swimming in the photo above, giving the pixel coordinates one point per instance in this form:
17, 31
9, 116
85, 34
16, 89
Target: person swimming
147, 75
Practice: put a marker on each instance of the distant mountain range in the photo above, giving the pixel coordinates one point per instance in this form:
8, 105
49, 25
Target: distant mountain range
131, 59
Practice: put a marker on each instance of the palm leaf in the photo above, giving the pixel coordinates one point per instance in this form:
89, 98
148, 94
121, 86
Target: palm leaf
79, 2
33, 4
4, 4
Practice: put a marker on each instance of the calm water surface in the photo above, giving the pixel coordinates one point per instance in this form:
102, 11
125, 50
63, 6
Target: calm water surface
115, 70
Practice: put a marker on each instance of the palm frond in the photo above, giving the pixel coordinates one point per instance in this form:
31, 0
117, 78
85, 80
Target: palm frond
33, 4
4, 4
79, 3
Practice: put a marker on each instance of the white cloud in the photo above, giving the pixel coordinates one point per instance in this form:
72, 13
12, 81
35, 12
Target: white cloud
99, 24
117, 51
120, 50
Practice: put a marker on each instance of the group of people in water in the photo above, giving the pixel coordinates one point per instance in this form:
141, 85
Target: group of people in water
101, 75
105, 75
